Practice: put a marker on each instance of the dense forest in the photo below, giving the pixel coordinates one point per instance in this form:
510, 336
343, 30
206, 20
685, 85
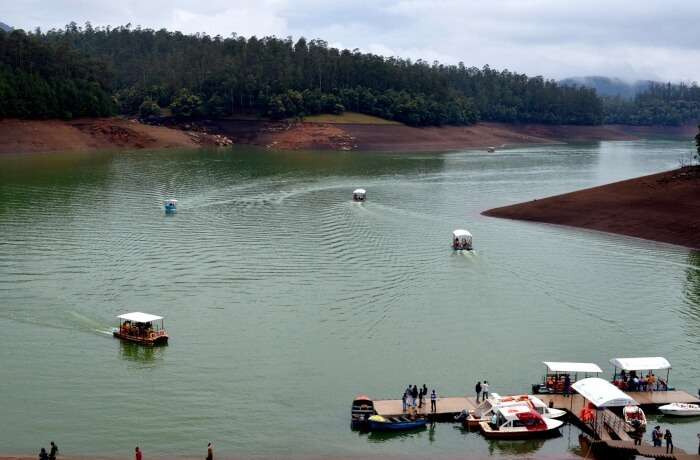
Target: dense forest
660, 104
79, 71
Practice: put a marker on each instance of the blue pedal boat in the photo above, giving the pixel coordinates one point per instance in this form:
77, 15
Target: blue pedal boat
379, 423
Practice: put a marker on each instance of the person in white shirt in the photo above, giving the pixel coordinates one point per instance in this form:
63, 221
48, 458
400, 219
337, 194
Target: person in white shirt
485, 390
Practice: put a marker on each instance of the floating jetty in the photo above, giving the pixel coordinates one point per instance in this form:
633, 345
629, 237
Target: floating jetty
610, 434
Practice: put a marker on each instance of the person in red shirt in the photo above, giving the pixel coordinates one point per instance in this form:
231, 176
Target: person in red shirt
139, 455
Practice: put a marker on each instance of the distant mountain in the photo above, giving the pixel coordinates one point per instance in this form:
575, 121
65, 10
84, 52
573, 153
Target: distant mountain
5, 27
606, 86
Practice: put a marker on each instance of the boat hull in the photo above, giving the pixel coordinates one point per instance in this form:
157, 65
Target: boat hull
146, 341
673, 410
397, 426
517, 434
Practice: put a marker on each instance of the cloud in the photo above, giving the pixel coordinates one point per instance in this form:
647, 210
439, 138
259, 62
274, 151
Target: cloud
554, 38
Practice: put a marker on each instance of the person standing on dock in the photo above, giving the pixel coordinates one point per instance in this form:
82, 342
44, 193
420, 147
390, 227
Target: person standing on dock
414, 395
409, 402
669, 441
403, 399
477, 388
424, 392
43, 455
54, 451
210, 452
656, 436
433, 401
485, 390
567, 385
139, 454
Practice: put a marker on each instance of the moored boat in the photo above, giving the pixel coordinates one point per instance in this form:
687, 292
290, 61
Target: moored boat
141, 328
486, 409
634, 414
362, 409
519, 422
401, 423
681, 410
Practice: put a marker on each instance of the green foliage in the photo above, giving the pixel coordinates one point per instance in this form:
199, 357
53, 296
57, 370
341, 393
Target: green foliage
697, 145
149, 108
281, 78
660, 104
187, 105
43, 79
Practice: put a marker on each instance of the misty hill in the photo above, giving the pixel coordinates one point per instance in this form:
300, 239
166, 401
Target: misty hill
5, 27
606, 86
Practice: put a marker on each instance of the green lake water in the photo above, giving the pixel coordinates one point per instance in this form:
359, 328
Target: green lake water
284, 299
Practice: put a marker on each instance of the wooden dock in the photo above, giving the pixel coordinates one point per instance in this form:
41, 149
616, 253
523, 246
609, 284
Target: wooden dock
447, 408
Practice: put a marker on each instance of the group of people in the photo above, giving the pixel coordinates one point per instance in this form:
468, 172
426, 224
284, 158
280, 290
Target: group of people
51, 455
414, 397
482, 390
559, 383
657, 436
136, 329
632, 382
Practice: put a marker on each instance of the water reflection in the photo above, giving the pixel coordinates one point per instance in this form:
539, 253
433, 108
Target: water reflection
692, 296
385, 436
515, 447
133, 352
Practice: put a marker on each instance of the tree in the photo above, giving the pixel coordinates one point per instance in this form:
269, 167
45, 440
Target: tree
149, 108
186, 104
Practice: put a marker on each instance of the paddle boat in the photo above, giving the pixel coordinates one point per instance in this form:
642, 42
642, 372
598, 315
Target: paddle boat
557, 373
359, 194
681, 410
400, 423
362, 410
170, 205
461, 240
142, 328
632, 413
519, 422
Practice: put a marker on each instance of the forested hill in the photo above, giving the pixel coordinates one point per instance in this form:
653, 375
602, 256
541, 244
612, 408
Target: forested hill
145, 71
214, 76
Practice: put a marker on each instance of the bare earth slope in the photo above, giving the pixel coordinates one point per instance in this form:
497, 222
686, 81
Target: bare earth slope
662, 207
20, 136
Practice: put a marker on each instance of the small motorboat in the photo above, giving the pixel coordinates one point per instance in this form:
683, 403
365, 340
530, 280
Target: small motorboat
486, 409
681, 410
519, 422
401, 423
634, 414
170, 205
141, 328
362, 409
461, 240
359, 194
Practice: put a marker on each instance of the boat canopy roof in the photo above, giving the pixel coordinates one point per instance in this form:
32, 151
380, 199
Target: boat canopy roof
359, 191
641, 364
460, 233
171, 201
362, 398
589, 368
138, 317
512, 412
602, 393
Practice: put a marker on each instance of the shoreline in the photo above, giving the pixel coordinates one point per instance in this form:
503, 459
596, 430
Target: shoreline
662, 207
44, 136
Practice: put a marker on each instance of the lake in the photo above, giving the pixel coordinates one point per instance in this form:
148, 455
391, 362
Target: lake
284, 299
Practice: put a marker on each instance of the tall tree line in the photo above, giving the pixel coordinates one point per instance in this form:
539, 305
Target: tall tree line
87, 71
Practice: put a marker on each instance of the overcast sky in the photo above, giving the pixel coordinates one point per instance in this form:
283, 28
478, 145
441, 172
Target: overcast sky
632, 39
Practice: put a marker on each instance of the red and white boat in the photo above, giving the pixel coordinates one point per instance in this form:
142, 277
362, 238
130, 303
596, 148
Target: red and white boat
519, 422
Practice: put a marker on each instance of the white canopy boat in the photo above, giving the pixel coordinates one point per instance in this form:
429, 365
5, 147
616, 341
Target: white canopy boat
170, 205
681, 410
555, 379
359, 194
632, 366
461, 240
